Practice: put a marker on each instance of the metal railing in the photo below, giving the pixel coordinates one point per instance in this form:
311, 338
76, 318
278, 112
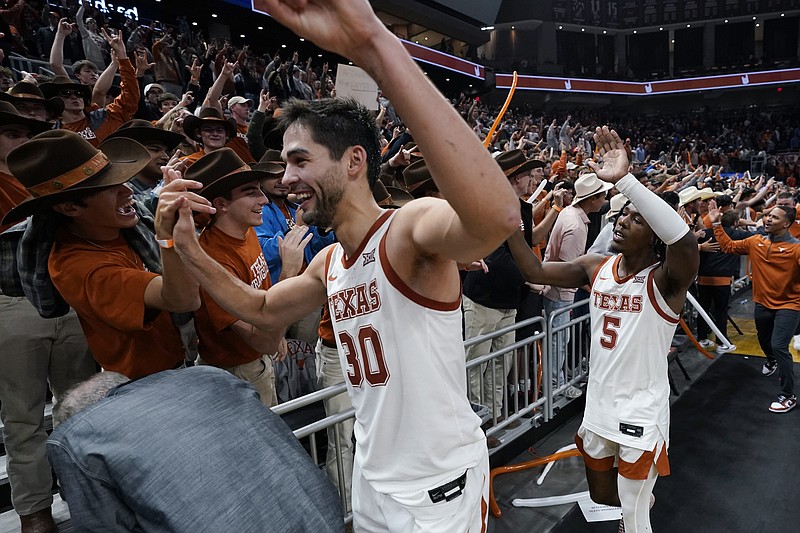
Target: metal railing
529, 395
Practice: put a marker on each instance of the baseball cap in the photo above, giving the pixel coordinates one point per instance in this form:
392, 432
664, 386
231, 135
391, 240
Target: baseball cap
238, 100
151, 86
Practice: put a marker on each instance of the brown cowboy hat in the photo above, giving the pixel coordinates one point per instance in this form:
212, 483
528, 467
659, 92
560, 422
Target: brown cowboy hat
514, 162
271, 158
143, 131
61, 83
392, 197
418, 179
79, 170
221, 171
398, 196
9, 115
208, 115
30, 92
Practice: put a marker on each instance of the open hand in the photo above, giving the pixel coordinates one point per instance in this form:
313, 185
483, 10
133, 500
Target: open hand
341, 26
615, 158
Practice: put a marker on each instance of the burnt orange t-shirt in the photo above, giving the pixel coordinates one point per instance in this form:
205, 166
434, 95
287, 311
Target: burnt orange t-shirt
219, 345
82, 128
12, 193
239, 144
191, 159
105, 283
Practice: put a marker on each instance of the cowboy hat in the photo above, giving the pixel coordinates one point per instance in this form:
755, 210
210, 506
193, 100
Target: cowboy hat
61, 83
208, 115
514, 162
589, 185
418, 179
9, 115
29, 92
390, 196
616, 204
398, 196
144, 132
269, 159
221, 171
692, 193
79, 170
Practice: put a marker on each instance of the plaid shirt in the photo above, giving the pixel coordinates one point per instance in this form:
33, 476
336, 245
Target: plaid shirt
25, 250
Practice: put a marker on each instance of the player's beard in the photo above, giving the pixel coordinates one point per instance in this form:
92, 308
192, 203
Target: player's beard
326, 202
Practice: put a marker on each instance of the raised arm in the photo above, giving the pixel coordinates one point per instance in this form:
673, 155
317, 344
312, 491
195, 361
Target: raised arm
679, 269
472, 223
104, 82
570, 274
176, 290
215, 92
726, 244
57, 50
283, 304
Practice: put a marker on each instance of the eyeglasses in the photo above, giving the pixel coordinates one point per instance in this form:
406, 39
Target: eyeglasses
66, 93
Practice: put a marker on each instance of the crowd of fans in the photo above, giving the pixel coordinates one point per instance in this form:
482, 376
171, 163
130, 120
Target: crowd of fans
184, 97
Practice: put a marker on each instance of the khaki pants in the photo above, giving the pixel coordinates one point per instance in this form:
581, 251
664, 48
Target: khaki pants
35, 351
479, 320
259, 374
331, 374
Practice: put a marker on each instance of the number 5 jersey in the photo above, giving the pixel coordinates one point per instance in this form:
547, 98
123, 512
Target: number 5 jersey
403, 359
627, 399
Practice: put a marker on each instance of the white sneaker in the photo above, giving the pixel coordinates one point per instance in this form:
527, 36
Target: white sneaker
573, 392
797, 342
706, 343
725, 349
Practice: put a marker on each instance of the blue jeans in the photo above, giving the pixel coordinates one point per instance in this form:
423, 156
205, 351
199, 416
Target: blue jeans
558, 348
775, 329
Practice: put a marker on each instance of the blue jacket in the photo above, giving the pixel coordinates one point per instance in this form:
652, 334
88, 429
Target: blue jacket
273, 225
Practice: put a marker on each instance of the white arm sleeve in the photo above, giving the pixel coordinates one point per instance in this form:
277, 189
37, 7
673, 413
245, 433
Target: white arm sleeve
664, 221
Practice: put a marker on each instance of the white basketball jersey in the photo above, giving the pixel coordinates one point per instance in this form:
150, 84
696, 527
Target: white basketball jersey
403, 361
627, 400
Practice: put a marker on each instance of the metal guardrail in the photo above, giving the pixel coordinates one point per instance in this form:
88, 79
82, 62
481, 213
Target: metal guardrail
528, 394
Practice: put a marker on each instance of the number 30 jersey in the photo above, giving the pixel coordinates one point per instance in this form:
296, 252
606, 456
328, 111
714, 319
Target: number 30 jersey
403, 361
627, 399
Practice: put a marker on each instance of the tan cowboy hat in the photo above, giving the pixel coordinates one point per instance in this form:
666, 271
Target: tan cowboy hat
221, 171
514, 162
208, 115
30, 92
9, 115
143, 131
690, 194
79, 169
616, 204
589, 185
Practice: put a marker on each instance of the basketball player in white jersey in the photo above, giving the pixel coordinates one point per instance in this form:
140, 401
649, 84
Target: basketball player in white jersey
391, 284
636, 297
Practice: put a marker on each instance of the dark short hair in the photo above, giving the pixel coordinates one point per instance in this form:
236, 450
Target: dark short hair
730, 218
790, 212
724, 200
83, 63
672, 198
337, 124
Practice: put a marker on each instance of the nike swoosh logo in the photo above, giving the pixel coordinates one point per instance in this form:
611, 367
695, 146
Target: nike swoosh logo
602, 278
332, 277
